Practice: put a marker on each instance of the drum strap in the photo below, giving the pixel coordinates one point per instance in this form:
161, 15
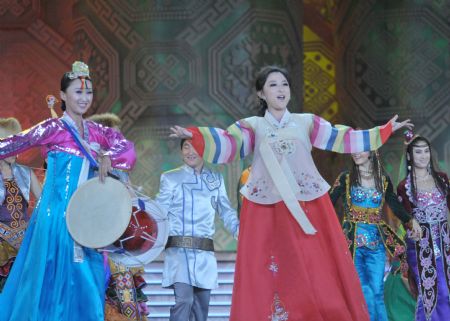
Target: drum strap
191, 242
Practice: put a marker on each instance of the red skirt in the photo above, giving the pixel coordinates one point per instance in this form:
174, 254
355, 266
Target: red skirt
284, 274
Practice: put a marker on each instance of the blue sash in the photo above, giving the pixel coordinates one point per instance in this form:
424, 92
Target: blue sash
77, 139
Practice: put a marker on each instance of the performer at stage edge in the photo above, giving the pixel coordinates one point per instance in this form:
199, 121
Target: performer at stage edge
192, 194
292, 259
53, 278
17, 183
125, 298
425, 194
364, 190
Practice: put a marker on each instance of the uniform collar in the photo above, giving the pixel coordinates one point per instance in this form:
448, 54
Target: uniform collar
192, 171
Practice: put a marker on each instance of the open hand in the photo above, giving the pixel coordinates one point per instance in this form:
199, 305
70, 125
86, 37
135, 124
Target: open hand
180, 132
397, 125
416, 231
104, 167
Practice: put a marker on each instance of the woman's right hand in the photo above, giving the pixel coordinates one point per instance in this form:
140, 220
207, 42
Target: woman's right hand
415, 232
180, 132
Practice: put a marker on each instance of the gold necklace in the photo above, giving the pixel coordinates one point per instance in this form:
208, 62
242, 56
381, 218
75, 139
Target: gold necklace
365, 174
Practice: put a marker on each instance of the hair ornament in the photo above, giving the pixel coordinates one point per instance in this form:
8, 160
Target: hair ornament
409, 136
79, 70
51, 101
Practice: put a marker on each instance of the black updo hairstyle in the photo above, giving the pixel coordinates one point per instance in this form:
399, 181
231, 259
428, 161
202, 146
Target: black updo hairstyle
65, 83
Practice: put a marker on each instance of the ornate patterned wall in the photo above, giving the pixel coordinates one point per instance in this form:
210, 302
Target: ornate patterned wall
319, 64
35, 49
155, 63
158, 63
161, 63
393, 58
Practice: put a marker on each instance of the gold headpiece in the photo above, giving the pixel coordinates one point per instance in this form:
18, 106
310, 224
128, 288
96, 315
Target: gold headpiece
79, 70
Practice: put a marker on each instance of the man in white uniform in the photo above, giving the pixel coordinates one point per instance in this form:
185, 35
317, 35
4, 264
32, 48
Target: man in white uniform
192, 195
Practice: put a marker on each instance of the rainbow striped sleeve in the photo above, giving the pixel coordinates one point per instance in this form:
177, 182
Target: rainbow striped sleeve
220, 146
343, 139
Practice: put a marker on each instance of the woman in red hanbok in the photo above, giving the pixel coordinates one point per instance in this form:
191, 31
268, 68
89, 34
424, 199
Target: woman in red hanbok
292, 261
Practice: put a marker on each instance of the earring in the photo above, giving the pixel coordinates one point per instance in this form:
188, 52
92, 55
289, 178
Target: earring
429, 168
409, 168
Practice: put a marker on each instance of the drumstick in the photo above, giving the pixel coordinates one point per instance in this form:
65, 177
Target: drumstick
113, 176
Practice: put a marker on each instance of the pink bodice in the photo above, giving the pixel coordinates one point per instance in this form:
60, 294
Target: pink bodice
51, 135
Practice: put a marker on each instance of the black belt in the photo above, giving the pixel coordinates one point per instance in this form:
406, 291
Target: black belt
191, 242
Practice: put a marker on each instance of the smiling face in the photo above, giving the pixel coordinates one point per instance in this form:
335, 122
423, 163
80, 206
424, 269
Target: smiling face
276, 91
361, 159
190, 156
78, 98
421, 154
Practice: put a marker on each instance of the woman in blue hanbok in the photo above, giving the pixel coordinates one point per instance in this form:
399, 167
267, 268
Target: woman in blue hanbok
54, 278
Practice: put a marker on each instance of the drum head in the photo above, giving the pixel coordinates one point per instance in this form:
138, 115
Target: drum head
145, 237
98, 213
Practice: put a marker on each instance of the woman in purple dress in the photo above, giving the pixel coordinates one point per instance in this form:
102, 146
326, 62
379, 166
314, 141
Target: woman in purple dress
425, 193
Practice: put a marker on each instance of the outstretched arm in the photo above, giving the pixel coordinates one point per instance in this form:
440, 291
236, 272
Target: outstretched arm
216, 145
343, 139
41, 134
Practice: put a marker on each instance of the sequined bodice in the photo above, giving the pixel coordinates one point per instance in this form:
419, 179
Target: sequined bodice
429, 206
366, 197
430, 198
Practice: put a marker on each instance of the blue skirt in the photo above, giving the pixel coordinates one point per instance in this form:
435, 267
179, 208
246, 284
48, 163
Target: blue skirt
46, 283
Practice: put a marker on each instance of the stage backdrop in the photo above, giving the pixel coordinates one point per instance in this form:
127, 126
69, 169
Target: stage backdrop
392, 57
154, 63
157, 63
365, 61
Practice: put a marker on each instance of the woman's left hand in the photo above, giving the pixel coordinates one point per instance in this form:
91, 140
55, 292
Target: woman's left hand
397, 125
416, 231
104, 166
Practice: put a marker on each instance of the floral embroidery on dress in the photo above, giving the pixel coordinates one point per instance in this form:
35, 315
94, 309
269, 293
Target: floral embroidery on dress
430, 210
273, 265
284, 146
307, 183
428, 272
445, 233
258, 188
279, 312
